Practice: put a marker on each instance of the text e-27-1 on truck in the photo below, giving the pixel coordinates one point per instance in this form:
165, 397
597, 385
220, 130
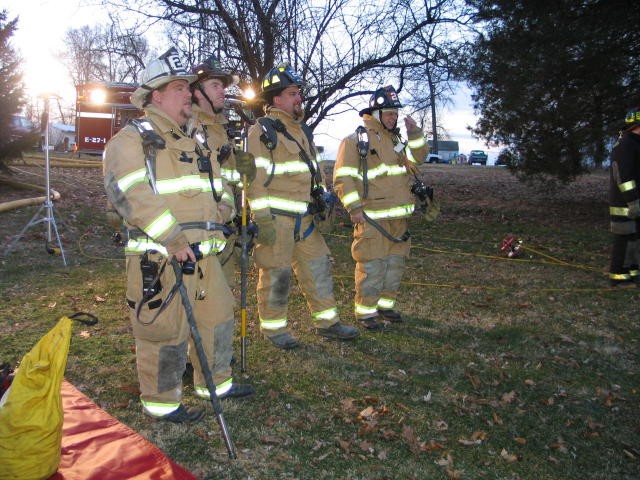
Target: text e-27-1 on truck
102, 109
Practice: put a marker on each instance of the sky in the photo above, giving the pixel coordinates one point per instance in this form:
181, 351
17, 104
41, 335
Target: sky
43, 23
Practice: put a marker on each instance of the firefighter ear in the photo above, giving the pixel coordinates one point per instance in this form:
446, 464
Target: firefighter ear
197, 95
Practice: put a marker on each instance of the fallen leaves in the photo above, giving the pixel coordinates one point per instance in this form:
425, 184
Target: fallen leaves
476, 439
509, 457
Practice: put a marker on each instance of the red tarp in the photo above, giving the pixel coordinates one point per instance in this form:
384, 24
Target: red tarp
96, 446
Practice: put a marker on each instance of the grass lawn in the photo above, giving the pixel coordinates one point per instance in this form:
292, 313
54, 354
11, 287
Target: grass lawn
523, 368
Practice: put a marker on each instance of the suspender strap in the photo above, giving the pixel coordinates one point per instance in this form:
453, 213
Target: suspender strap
296, 229
405, 236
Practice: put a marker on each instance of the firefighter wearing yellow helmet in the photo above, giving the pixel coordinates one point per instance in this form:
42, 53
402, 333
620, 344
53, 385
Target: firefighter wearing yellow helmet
624, 202
284, 197
153, 179
373, 177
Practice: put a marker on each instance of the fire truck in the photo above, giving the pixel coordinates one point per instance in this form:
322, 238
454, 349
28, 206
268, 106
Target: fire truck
102, 109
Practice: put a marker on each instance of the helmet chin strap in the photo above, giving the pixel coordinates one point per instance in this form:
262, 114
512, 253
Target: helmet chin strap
215, 110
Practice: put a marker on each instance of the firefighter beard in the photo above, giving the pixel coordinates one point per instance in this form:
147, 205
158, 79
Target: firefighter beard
162, 339
308, 258
379, 266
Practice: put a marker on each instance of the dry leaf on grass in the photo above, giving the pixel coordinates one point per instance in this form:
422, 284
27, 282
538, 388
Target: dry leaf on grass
270, 440
455, 474
367, 412
508, 456
344, 445
441, 425
446, 460
508, 397
469, 443
496, 418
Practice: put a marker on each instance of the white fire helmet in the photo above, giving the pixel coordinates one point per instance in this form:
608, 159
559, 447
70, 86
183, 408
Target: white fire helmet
165, 69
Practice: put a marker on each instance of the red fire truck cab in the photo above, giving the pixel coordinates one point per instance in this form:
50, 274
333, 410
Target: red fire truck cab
102, 109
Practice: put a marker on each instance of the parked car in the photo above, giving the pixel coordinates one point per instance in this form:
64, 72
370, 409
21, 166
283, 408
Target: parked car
22, 132
436, 158
20, 126
478, 156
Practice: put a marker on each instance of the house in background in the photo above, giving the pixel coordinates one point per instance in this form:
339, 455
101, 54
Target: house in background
448, 150
62, 137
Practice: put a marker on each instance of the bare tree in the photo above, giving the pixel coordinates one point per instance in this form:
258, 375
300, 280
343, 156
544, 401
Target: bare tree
343, 48
437, 49
104, 53
78, 57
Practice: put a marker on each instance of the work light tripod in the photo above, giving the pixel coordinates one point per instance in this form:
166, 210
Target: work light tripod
46, 212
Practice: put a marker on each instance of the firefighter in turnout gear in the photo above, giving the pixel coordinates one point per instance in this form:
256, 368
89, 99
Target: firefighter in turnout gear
624, 202
373, 176
208, 124
284, 197
156, 178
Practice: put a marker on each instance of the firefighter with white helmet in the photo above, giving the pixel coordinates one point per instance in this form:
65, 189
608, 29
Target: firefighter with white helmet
155, 181
284, 197
373, 177
624, 202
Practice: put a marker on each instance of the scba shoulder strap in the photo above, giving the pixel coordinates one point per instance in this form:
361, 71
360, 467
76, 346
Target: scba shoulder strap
151, 143
269, 136
269, 128
362, 145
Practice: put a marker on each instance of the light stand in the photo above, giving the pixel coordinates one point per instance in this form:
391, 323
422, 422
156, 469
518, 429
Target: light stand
45, 213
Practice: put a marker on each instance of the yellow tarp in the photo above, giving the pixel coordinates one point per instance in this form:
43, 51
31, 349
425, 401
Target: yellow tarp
31, 416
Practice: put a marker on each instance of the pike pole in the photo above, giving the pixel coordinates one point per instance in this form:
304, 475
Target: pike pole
244, 262
204, 364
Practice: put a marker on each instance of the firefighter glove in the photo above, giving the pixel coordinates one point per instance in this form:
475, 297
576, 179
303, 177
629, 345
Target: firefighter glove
432, 210
266, 231
246, 165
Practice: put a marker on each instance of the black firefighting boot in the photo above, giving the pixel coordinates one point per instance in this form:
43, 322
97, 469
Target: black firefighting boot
390, 315
373, 324
283, 340
182, 415
338, 330
238, 390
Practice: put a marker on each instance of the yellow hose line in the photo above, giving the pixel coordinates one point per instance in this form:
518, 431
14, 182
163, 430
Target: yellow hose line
510, 288
528, 249
553, 261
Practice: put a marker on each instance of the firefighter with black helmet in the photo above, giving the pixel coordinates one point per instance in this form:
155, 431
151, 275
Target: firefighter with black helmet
209, 124
284, 198
373, 177
624, 202
154, 179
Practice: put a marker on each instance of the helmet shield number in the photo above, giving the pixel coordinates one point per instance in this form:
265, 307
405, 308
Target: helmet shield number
173, 61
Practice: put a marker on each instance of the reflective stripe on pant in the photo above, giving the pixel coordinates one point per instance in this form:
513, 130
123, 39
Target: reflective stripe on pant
624, 257
161, 343
377, 285
379, 266
309, 260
